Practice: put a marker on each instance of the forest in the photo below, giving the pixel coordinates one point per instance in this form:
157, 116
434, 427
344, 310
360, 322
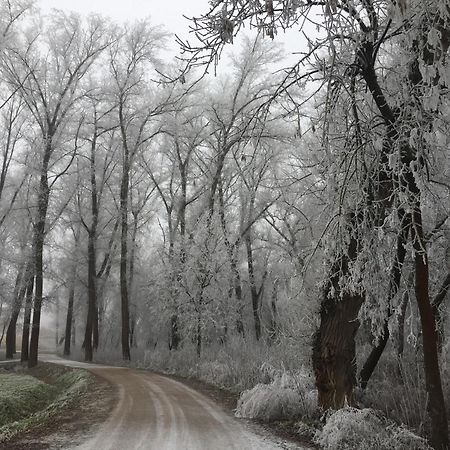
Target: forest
277, 229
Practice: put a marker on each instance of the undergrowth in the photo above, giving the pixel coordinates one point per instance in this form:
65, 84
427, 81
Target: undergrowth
42, 393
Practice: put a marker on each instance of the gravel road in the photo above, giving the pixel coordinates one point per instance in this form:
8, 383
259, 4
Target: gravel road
158, 413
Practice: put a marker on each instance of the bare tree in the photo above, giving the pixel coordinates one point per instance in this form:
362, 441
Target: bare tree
52, 62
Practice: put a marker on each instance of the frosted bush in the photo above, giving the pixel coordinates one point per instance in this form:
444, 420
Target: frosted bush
269, 402
295, 379
403, 439
351, 428
216, 373
288, 396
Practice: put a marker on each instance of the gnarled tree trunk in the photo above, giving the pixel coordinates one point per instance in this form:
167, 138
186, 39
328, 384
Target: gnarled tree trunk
334, 348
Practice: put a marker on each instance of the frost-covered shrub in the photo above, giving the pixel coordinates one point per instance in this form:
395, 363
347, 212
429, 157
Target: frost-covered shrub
402, 438
348, 428
269, 402
351, 428
284, 398
216, 373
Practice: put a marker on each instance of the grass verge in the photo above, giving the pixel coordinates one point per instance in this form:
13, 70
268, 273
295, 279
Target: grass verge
30, 399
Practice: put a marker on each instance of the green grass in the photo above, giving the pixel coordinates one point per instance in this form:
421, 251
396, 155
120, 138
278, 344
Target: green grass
21, 396
31, 399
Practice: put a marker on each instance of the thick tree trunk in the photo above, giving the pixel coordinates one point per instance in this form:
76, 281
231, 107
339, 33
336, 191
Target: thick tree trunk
124, 261
71, 299
133, 306
334, 348
96, 325
69, 316
38, 245
88, 345
436, 405
27, 318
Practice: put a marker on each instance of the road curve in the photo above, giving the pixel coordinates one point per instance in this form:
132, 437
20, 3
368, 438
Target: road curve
158, 413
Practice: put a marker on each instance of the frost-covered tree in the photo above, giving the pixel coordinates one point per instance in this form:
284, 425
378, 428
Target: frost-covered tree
46, 66
353, 48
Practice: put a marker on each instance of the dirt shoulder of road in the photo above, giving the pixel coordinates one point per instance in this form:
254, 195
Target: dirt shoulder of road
72, 423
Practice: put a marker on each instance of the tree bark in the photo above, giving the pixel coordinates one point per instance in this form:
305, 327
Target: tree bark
69, 316
27, 318
334, 348
436, 405
124, 258
231, 250
38, 245
133, 305
88, 345
253, 290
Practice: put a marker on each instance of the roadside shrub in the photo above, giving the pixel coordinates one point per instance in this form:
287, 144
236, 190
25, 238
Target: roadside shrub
285, 398
269, 402
352, 428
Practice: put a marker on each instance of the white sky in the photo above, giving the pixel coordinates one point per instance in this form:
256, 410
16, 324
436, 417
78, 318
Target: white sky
168, 13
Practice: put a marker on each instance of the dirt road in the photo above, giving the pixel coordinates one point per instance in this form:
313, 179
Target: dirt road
157, 413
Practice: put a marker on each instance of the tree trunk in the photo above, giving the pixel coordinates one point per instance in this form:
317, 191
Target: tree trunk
96, 325
124, 260
253, 290
69, 316
174, 333
27, 318
231, 249
199, 337
133, 306
38, 245
88, 346
334, 348
436, 405
273, 329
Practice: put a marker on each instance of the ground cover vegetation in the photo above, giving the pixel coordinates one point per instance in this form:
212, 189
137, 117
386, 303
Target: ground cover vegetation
281, 233
33, 398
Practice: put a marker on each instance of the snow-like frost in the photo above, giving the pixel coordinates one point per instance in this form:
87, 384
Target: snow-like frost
351, 428
268, 402
285, 398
